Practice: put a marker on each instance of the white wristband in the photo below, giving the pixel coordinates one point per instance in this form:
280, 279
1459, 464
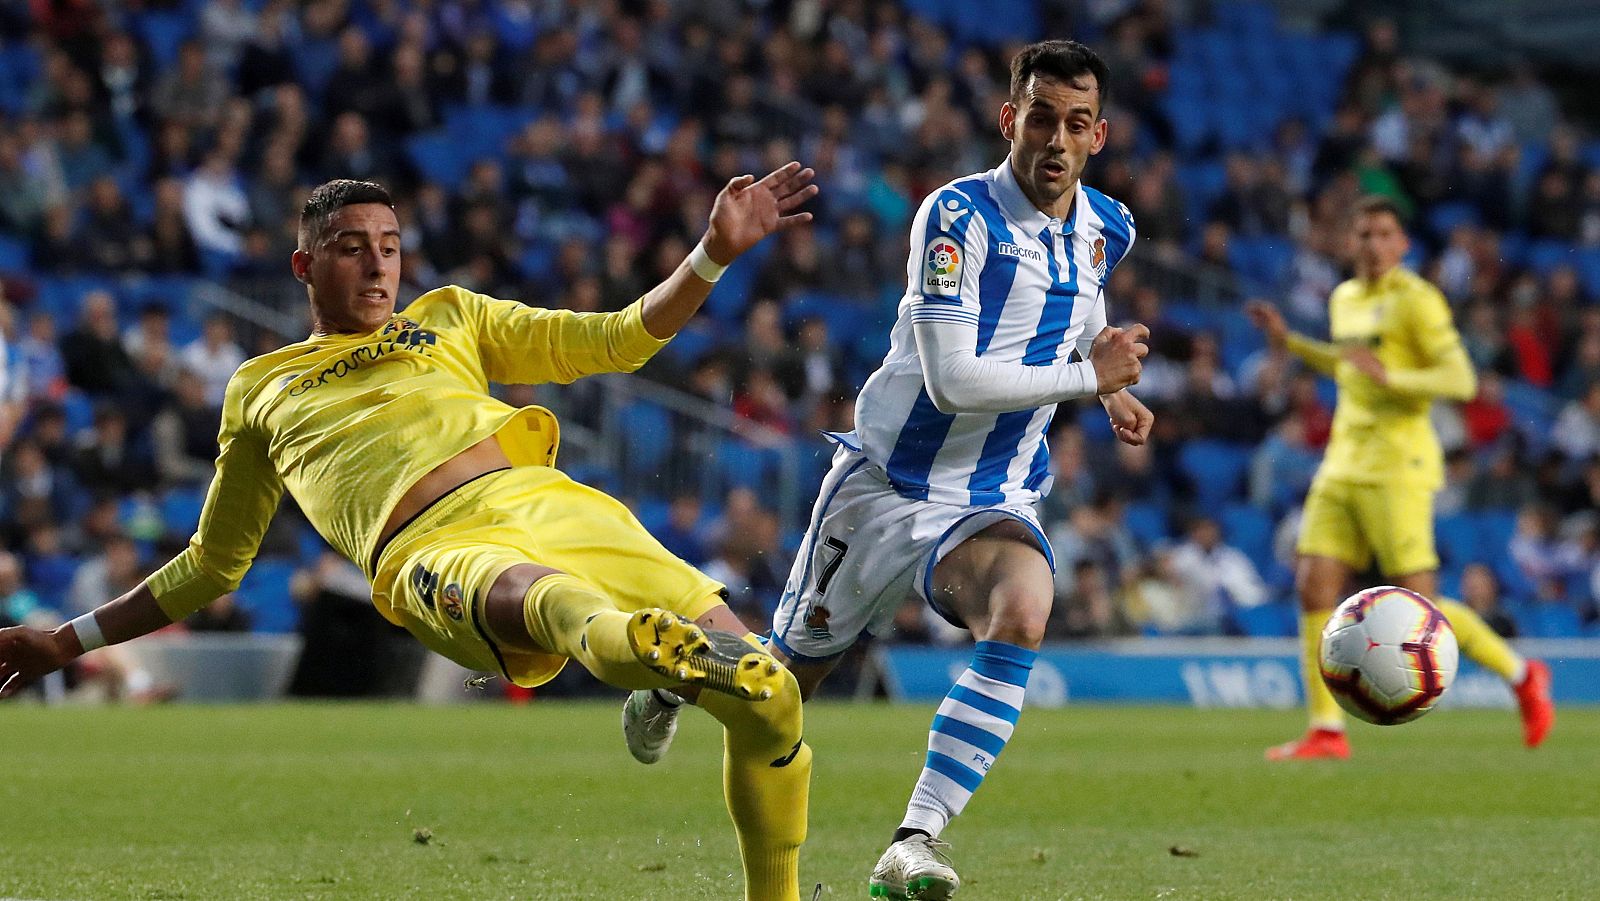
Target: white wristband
87, 628
708, 269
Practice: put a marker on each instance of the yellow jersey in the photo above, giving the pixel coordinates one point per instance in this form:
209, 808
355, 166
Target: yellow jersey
348, 423
1381, 433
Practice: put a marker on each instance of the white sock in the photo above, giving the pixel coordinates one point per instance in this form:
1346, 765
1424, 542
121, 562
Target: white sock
972, 727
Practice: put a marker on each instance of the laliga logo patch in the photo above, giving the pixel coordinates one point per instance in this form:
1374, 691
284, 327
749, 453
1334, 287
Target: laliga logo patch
943, 274
1097, 256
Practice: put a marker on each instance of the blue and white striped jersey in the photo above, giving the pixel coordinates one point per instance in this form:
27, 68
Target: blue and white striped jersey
983, 255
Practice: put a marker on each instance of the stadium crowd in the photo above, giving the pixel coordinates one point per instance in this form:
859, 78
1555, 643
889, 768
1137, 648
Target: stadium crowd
566, 153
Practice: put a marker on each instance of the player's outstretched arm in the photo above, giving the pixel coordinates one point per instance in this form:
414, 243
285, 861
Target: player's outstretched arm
746, 211
28, 654
1319, 355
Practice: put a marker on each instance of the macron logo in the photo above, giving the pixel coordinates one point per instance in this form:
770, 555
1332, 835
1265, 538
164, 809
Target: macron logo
1008, 249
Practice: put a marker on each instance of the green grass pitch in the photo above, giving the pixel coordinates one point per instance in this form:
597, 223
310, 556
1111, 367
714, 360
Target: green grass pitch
542, 802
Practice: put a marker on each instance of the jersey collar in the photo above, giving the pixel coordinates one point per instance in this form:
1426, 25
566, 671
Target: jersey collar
1019, 209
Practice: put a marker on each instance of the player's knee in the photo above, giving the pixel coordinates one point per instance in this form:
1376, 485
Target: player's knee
1017, 615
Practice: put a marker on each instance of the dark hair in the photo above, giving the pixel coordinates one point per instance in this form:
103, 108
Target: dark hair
1062, 60
1375, 204
328, 197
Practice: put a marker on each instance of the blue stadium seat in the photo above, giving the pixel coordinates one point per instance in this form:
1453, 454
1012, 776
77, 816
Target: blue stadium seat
653, 513
1545, 256
537, 260
1533, 411
1274, 619
13, 254
489, 126
180, 510
740, 464
1447, 217
264, 594
441, 156
1265, 260
1588, 264
1494, 533
1249, 528
1456, 539
1551, 620
733, 294
309, 546
1216, 469
163, 33
646, 434
843, 315
595, 475
19, 69
1339, 52
694, 342
79, 410
1146, 522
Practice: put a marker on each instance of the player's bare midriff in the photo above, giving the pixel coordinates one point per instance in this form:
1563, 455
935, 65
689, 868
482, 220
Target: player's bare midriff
485, 456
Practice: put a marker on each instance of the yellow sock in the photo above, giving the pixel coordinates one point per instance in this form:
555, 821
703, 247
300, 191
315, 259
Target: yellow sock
569, 617
1324, 710
1480, 643
766, 775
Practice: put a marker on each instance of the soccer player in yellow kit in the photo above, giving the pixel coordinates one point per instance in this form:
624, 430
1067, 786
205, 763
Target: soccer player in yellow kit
382, 428
1394, 350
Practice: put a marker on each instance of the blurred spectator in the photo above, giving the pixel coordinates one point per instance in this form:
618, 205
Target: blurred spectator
152, 328
1480, 590
682, 533
350, 649
1535, 548
1501, 484
184, 435
1160, 602
113, 241
1487, 416
24, 194
1095, 532
193, 92
1577, 429
221, 615
106, 462
44, 370
213, 357
1530, 106
18, 605
93, 351
748, 563
174, 248
1075, 482
109, 574
1220, 575
1085, 606
215, 207
761, 401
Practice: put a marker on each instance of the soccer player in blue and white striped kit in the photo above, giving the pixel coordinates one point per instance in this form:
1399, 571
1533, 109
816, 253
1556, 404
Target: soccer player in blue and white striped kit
934, 492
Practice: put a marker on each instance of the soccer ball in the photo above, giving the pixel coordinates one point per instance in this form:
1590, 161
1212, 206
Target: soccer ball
1387, 655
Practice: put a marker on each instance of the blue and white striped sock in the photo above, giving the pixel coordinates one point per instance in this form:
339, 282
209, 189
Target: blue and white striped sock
970, 730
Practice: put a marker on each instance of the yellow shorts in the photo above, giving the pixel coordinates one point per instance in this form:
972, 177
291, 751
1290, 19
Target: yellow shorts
1354, 523
434, 573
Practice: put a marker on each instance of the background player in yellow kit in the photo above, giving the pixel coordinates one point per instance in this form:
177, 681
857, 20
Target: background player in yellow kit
382, 428
1394, 350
